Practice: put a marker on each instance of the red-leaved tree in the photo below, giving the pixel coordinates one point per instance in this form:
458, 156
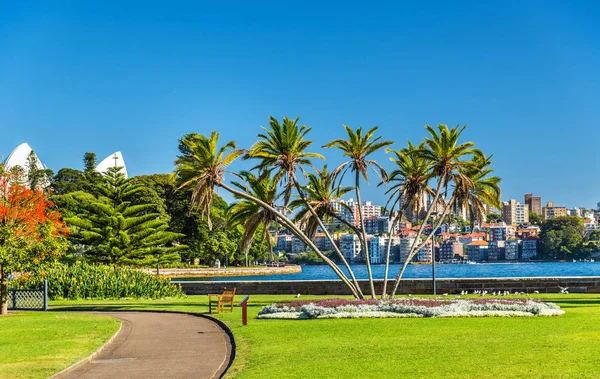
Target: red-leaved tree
31, 231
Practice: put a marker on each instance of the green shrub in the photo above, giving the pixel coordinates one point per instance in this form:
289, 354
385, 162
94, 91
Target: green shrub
83, 281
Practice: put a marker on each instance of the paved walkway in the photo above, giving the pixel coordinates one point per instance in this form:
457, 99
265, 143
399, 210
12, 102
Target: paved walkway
160, 345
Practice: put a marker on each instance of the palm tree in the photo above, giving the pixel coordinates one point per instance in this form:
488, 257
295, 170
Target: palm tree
320, 192
358, 148
446, 157
250, 214
204, 167
408, 186
481, 189
282, 151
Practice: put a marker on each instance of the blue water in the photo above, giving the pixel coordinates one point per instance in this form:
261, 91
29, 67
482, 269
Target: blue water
482, 270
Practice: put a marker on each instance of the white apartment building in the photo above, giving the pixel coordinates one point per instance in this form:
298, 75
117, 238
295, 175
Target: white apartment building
511, 250
404, 245
369, 210
515, 213
501, 232
298, 246
425, 253
350, 246
378, 248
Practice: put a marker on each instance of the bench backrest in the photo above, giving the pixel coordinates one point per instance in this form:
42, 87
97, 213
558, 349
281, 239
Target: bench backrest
228, 295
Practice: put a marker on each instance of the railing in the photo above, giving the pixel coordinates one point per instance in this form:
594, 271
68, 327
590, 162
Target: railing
29, 299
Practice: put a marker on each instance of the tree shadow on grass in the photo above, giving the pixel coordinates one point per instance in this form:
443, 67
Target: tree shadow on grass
130, 307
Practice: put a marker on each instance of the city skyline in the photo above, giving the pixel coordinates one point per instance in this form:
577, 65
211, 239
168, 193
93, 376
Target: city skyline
135, 79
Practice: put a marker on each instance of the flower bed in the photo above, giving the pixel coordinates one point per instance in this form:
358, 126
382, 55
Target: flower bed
413, 307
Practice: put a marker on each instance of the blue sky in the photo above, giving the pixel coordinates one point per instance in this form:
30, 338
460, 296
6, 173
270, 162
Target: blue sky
134, 76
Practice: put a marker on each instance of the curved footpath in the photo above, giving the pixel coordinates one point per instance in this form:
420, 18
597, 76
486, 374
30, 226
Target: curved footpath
159, 345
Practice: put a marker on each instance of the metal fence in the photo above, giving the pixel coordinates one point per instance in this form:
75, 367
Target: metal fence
29, 299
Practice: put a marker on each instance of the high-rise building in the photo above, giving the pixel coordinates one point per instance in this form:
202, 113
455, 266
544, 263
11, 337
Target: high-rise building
534, 203
515, 213
551, 211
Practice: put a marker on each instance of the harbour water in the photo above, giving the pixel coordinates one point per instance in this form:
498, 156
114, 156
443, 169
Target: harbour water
482, 270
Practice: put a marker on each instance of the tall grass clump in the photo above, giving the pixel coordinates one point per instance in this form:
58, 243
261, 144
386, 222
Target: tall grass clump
84, 281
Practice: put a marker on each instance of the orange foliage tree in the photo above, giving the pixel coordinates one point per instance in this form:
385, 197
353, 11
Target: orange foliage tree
31, 231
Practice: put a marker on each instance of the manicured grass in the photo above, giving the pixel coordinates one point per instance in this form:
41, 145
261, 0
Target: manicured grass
551, 347
39, 344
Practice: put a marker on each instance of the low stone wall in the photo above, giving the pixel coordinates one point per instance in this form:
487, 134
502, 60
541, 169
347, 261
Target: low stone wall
407, 286
229, 271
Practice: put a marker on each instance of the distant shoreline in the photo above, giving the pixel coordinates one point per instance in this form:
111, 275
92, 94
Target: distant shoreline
229, 271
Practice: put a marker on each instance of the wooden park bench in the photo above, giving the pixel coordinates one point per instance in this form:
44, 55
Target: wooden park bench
222, 300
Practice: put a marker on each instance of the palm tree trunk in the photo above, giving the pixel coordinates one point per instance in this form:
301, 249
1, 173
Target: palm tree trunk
364, 236
328, 235
414, 250
387, 255
3, 291
420, 233
298, 233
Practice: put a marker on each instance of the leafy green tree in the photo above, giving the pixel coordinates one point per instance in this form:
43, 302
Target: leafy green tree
535, 219
68, 180
493, 217
89, 163
36, 176
31, 232
114, 231
561, 237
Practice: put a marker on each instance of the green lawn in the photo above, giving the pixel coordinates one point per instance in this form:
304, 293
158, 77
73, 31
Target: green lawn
564, 346
39, 344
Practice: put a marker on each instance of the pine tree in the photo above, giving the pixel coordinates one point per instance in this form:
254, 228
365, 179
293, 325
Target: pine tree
37, 177
113, 231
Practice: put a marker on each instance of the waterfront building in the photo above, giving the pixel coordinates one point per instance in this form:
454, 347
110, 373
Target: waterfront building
501, 232
350, 246
534, 203
529, 248
379, 225
323, 243
378, 248
298, 246
425, 253
515, 213
496, 250
475, 236
511, 250
284, 243
477, 251
551, 211
451, 249
445, 236
530, 231
405, 243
